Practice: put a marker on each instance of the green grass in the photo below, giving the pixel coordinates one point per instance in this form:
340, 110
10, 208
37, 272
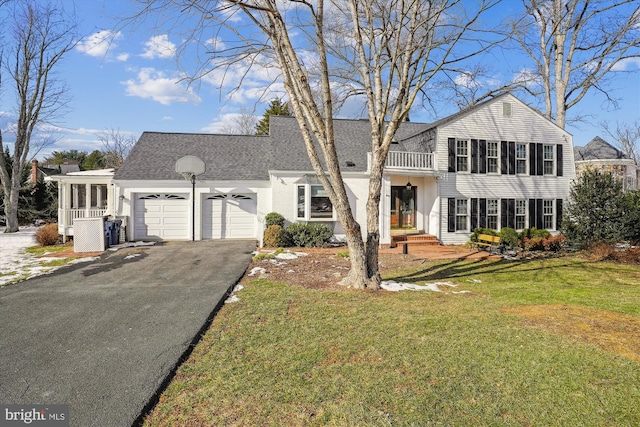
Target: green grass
285, 355
42, 250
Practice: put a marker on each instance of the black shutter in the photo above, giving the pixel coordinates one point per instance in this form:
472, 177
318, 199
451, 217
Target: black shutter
511, 213
532, 159
452, 154
512, 158
482, 159
539, 159
483, 213
503, 213
532, 213
559, 160
474, 214
558, 214
451, 215
474, 156
504, 157
539, 213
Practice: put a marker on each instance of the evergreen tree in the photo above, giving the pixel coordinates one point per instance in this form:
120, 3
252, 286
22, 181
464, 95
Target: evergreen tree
276, 108
596, 210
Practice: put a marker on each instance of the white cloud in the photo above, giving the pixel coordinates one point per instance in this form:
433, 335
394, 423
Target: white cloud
225, 123
152, 84
216, 44
99, 43
627, 64
122, 57
167, 118
527, 76
159, 47
466, 80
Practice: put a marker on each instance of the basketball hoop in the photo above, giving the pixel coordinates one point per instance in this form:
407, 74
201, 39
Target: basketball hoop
190, 167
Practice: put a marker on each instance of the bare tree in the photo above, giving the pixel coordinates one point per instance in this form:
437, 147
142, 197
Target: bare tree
42, 34
575, 44
245, 123
627, 138
115, 147
384, 51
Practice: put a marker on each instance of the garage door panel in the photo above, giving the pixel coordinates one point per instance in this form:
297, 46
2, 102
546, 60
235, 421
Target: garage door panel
229, 216
161, 216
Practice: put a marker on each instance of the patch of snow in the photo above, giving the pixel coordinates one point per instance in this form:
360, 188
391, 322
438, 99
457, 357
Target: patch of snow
132, 256
86, 259
474, 280
277, 263
393, 286
290, 271
287, 255
130, 245
256, 270
233, 297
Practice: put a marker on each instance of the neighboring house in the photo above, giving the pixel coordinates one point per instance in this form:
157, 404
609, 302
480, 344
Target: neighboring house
84, 194
601, 156
498, 164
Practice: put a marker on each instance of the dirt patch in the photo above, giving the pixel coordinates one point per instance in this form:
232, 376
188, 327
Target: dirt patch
320, 268
614, 332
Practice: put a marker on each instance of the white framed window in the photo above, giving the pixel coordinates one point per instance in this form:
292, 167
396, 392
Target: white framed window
313, 203
462, 213
492, 214
521, 214
99, 195
548, 159
462, 155
521, 159
547, 214
492, 156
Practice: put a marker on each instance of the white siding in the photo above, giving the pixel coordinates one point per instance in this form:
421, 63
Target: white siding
488, 123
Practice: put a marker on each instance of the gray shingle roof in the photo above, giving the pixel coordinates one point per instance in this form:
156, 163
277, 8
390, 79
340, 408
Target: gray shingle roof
242, 157
598, 149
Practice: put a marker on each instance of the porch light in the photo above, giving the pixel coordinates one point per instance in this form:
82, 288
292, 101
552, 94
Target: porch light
409, 186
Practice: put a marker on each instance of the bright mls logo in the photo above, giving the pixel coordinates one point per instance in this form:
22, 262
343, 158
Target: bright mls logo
34, 415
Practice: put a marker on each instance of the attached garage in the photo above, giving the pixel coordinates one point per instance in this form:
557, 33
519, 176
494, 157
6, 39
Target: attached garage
161, 217
229, 216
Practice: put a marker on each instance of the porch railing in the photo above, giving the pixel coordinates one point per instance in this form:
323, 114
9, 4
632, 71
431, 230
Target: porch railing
71, 214
408, 160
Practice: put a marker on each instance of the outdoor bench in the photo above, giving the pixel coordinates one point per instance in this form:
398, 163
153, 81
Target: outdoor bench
487, 241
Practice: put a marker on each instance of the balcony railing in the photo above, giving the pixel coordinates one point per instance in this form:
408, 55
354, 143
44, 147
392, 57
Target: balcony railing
404, 160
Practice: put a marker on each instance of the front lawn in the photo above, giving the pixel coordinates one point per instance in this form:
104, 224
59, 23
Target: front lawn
535, 342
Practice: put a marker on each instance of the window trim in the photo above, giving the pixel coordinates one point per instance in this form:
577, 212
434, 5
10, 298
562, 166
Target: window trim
524, 215
524, 159
465, 215
496, 157
306, 200
545, 161
464, 156
551, 204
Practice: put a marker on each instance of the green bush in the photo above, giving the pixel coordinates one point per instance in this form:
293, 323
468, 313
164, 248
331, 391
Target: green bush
274, 236
509, 237
308, 235
533, 233
274, 218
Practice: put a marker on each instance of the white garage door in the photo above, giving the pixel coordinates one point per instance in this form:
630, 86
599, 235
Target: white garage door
229, 216
161, 216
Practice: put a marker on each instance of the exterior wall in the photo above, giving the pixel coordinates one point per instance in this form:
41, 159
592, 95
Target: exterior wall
624, 169
488, 123
284, 184
126, 192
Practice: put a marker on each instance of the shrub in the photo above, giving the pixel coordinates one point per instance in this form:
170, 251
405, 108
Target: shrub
554, 243
274, 236
274, 218
509, 237
308, 235
47, 235
532, 233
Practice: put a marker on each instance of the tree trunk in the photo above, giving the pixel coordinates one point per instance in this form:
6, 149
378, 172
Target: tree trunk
373, 222
11, 209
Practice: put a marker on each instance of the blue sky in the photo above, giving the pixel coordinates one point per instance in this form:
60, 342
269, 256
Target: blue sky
129, 78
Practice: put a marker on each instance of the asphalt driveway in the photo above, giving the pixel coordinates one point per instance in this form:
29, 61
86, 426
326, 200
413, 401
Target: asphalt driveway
102, 337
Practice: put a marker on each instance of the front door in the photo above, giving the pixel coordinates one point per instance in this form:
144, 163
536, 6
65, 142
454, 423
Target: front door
403, 207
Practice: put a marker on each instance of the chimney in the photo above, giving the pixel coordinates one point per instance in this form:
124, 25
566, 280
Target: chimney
34, 172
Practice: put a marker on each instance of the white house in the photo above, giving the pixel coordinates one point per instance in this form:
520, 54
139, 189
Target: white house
601, 156
498, 164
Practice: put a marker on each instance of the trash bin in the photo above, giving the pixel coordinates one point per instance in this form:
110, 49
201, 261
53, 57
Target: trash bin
108, 231
115, 232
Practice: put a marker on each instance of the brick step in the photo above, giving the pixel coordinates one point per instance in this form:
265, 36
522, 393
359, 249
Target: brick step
415, 240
